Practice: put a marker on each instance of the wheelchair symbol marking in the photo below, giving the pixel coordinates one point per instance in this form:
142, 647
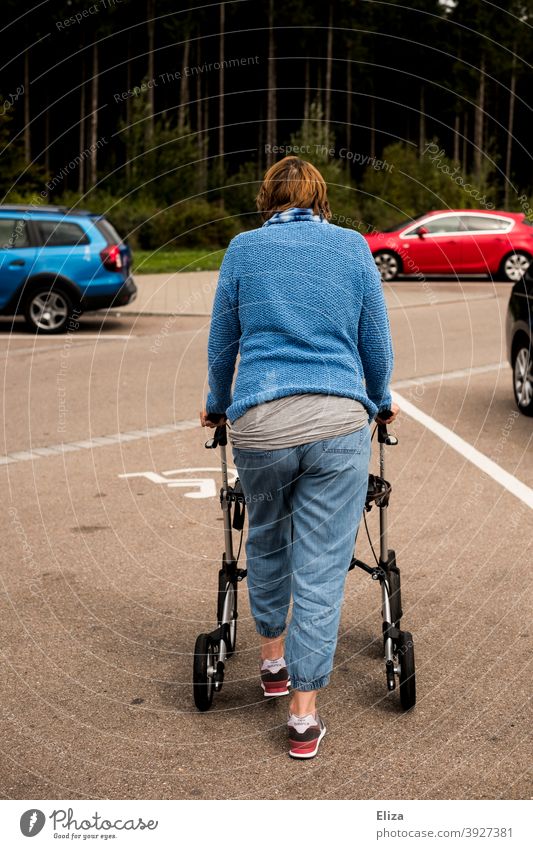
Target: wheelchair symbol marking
201, 487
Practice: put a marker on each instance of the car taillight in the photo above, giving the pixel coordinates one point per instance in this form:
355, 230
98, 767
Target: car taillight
111, 258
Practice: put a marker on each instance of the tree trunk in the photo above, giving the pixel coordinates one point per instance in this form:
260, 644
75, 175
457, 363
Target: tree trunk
149, 127
81, 137
183, 113
221, 89
422, 122
307, 92
47, 138
27, 128
465, 143
457, 123
93, 175
329, 62
510, 125
200, 124
456, 137
261, 142
372, 127
479, 122
349, 104
271, 98
128, 167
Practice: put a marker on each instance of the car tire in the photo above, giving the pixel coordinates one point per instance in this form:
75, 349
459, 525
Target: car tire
514, 266
389, 265
523, 378
47, 310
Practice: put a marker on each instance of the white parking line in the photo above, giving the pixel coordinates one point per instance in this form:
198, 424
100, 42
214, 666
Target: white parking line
79, 336
96, 442
79, 342
492, 469
448, 375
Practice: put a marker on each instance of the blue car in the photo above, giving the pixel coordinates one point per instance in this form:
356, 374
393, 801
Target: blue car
56, 263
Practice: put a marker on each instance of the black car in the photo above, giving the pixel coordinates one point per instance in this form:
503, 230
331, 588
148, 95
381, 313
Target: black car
519, 327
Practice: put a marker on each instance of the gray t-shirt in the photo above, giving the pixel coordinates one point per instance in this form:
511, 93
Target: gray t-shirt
297, 420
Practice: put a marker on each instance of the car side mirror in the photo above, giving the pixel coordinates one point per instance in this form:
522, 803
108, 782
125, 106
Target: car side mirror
421, 231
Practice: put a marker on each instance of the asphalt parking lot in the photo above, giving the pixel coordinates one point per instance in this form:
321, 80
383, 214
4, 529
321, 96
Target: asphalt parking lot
112, 536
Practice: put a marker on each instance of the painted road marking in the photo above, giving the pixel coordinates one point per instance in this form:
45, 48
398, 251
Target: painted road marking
492, 469
13, 351
79, 336
448, 375
96, 442
205, 487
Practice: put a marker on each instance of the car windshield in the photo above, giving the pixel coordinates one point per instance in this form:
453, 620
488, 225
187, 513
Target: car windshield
401, 226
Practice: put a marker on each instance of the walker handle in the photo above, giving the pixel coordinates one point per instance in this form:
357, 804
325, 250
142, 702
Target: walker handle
384, 437
220, 437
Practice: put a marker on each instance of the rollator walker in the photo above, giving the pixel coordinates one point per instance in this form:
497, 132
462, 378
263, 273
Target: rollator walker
213, 649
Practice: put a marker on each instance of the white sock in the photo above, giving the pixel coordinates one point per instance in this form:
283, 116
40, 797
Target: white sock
273, 665
301, 723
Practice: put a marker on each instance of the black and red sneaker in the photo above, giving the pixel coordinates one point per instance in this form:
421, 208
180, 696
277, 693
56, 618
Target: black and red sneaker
305, 735
275, 679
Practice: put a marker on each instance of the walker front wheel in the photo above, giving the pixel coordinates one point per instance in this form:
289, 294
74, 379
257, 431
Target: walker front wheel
204, 670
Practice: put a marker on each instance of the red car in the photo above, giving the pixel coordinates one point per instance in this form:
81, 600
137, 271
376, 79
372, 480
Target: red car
460, 241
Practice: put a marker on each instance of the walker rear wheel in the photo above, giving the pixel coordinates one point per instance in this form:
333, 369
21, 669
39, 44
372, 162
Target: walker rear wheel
406, 662
395, 597
204, 668
227, 610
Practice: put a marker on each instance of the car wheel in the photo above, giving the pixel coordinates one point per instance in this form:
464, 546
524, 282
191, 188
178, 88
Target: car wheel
514, 266
388, 264
523, 379
47, 310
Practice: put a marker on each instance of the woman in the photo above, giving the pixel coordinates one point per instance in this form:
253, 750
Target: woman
301, 300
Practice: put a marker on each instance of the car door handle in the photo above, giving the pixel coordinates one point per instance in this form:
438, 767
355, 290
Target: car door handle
16, 262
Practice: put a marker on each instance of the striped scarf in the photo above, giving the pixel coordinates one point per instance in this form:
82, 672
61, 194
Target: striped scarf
295, 214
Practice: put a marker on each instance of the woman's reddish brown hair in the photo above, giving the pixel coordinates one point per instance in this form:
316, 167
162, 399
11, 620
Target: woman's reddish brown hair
293, 182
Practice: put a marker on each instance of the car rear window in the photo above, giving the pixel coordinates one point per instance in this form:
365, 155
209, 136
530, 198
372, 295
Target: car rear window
108, 231
527, 222
13, 233
55, 234
484, 222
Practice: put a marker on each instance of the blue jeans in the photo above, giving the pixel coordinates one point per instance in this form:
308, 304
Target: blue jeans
304, 507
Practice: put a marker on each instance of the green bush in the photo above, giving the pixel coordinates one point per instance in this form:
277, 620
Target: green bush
194, 223
315, 138
407, 185
240, 193
19, 183
129, 215
138, 219
165, 167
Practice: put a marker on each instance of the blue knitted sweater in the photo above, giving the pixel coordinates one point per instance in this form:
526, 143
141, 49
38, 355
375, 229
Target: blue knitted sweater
301, 301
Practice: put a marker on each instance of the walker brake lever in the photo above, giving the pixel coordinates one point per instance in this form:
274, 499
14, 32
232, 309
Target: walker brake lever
384, 436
